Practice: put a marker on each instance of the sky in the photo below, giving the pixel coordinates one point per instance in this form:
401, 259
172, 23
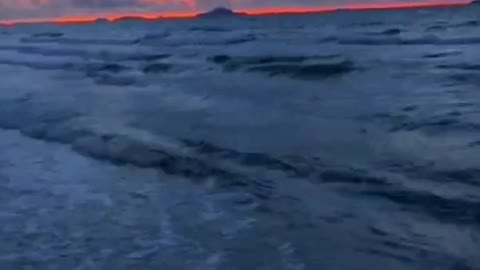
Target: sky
31, 10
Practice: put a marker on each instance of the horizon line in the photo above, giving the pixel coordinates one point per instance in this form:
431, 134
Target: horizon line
113, 17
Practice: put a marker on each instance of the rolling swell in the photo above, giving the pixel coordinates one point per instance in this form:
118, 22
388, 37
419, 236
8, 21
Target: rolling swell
352, 177
433, 126
193, 159
100, 73
387, 32
427, 171
195, 38
469, 23
461, 66
450, 205
133, 147
83, 53
433, 55
452, 121
53, 65
470, 176
125, 150
122, 149
104, 72
307, 71
59, 39
427, 40
48, 35
449, 210
297, 67
311, 169
293, 168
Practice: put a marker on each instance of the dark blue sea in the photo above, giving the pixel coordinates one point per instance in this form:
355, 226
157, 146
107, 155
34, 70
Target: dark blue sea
337, 141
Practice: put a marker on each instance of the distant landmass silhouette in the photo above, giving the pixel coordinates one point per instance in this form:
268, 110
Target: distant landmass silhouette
220, 12
101, 20
475, 2
136, 18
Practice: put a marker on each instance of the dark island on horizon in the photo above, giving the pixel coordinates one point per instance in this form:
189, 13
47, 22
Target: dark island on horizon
127, 18
220, 12
216, 12
136, 18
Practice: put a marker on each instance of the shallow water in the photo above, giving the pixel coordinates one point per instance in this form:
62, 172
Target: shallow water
340, 141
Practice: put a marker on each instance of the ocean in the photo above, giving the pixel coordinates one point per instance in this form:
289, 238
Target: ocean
343, 140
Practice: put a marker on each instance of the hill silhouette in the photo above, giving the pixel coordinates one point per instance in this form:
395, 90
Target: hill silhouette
220, 12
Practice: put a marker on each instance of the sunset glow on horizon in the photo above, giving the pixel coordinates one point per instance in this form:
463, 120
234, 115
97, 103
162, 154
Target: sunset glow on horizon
191, 9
